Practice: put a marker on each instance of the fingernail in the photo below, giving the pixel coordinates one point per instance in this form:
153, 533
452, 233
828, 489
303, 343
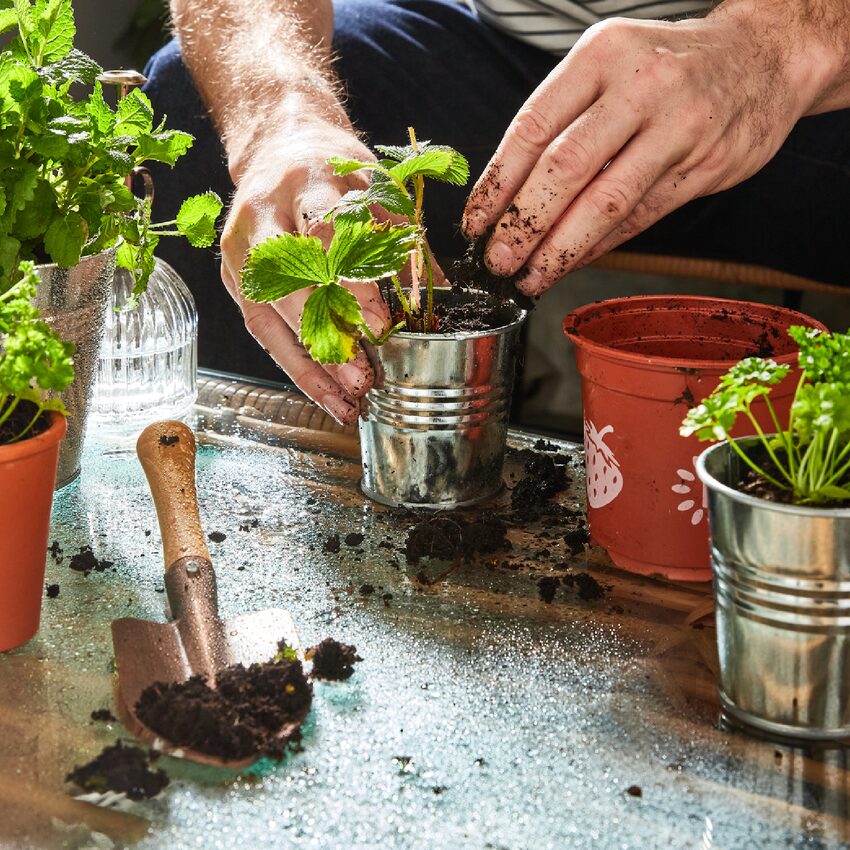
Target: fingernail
474, 222
500, 258
355, 377
531, 282
344, 409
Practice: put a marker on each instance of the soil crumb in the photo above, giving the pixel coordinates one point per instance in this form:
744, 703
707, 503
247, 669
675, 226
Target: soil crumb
52, 591
588, 588
120, 768
576, 539
217, 536
331, 545
447, 538
547, 587
634, 791
543, 480
470, 272
354, 539
333, 660
169, 439
86, 562
252, 711
103, 715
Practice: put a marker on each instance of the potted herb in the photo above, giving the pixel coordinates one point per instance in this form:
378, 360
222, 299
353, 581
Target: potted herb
644, 361
779, 506
66, 206
34, 363
435, 430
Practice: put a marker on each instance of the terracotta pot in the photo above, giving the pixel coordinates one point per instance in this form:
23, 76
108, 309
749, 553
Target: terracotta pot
644, 362
27, 476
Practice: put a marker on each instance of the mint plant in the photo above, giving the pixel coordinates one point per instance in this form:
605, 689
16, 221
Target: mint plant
810, 456
64, 161
363, 249
35, 364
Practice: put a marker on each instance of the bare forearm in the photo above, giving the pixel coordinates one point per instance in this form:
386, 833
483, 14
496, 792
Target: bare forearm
260, 69
809, 42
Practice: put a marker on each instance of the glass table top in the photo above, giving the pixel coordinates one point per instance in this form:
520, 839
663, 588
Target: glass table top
480, 717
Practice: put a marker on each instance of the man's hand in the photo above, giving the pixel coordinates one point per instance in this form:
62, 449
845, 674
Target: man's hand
287, 185
639, 118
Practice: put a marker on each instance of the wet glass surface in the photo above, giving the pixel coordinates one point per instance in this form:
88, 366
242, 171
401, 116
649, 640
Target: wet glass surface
481, 716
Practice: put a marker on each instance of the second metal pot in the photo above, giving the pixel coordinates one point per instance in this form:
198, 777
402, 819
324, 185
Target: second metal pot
782, 594
73, 302
438, 416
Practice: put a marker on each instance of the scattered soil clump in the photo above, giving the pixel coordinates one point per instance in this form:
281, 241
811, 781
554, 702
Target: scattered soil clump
576, 539
254, 710
120, 768
217, 536
103, 715
588, 588
447, 538
86, 562
547, 587
634, 791
333, 660
331, 545
52, 591
354, 539
543, 480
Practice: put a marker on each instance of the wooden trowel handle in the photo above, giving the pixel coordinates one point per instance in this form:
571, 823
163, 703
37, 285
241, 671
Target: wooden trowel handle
167, 454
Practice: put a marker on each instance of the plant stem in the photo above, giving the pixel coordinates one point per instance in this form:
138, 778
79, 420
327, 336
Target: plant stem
29, 425
740, 452
9, 410
765, 442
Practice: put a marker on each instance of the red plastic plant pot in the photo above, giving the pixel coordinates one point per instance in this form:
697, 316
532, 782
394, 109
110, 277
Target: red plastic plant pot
644, 362
27, 476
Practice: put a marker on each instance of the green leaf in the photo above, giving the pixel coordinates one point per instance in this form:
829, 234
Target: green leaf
832, 492
355, 205
135, 116
165, 147
438, 162
103, 118
65, 238
330, 324
365, 251
55, 24
26, 19
343, 166
76, 67
8, 20
197, 217
283, 265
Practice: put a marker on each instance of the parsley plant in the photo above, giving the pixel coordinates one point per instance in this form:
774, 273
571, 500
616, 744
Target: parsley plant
35, 365
362, 250
63, 160
810, 457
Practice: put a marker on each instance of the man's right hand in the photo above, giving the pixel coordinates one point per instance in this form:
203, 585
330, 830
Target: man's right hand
285, 184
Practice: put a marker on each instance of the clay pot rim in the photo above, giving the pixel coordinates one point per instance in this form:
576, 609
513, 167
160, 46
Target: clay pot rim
638, 304
35, 445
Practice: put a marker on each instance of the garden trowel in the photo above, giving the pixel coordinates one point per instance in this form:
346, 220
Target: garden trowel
196, 641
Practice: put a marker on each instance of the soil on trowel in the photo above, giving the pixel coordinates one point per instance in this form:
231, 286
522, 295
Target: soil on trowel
122, 769
333, 660
252, 711
85, 562
19, 419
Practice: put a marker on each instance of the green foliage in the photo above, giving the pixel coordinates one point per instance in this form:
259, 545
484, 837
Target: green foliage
63, 160
332, 321
811, 455
34, 362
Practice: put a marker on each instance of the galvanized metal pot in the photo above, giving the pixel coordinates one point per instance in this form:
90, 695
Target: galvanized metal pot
437, 421
782, 593
73, 301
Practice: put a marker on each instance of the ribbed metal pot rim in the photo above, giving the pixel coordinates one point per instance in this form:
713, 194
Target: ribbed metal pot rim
462, 335
763, 504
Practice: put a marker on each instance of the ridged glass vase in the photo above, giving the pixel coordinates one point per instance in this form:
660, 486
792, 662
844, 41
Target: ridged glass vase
149, 356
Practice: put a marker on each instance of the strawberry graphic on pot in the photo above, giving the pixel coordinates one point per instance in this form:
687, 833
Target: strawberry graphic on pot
604, 479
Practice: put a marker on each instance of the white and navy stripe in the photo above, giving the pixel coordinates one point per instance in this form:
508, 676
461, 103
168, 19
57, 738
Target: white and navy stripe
556, 25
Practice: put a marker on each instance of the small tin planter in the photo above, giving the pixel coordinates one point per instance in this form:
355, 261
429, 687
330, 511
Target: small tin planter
782, 595
437, 420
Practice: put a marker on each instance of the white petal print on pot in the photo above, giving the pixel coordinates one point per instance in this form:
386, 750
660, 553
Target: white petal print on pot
688, 486
604, 479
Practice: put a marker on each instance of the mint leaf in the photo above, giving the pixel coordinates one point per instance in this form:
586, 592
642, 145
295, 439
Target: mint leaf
135, 115
197, 217
76, 67
98, 110
26, 20
165, 147
343, 166
365, 251
55, 24
8, 20
283, 265
65, 238
330, 324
